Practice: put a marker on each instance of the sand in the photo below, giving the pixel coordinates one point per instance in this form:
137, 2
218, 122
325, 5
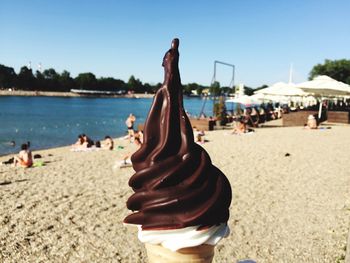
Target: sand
291, 201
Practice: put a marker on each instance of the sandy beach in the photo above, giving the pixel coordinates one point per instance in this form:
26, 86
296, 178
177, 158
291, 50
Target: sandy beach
291, 200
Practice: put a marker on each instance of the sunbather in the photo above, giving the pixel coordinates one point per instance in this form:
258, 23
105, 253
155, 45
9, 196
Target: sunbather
87, 141
24, 157
311, 122
79, 142
126, 162
241, 127
199, 135
108, 143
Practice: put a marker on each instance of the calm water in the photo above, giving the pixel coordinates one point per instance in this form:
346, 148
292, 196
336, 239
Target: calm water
54, 121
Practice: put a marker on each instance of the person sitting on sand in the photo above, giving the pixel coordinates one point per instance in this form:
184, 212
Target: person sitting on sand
139, 134
127, 157
24, 157
198, 135
241, 127
311, 122
108, 143
79, 142
87, 143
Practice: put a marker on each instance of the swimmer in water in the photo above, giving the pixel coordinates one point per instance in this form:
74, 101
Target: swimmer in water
10, 143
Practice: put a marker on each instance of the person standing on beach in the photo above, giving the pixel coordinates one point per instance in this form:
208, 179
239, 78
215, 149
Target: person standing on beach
130, 124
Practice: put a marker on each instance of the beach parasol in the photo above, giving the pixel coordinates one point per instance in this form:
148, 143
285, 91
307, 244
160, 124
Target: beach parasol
245, 100
282, 89
324, 86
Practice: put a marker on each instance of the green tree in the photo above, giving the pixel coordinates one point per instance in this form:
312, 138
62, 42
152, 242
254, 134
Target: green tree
25, 79
147, 88
215, 88
86, 81
40, 81
51, 78
7, 77
336, 69
50, 74
199, 90
227, 90
188, 88
111, 84
135, 85
156, 87
66, 82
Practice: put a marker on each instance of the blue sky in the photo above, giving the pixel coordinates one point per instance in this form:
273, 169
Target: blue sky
123, 38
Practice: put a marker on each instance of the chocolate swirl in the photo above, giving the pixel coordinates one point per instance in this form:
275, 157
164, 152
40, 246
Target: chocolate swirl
175, 183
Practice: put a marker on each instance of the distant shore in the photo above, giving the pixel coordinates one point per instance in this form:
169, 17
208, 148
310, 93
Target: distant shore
68, 94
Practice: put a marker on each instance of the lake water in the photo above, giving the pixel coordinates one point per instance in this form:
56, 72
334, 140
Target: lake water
56, 121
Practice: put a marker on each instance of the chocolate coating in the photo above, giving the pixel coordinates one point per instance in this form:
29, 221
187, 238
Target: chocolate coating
175, 183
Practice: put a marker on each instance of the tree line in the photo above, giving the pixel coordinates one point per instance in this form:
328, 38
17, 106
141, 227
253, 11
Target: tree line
336, 69
51, 80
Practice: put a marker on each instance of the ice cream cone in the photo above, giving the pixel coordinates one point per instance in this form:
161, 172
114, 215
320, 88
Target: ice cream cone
199, 254
181, 198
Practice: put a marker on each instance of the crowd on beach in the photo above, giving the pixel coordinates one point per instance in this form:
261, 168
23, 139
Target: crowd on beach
254, 117
85, 142
241, 123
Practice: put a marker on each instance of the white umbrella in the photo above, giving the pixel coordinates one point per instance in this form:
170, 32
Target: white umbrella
281, 92
282, 89
324, 86
270, 98
245, 100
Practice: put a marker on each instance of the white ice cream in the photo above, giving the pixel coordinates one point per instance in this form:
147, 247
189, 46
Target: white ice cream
184, 237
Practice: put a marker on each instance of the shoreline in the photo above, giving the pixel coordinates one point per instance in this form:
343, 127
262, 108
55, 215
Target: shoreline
9, 155
68, 94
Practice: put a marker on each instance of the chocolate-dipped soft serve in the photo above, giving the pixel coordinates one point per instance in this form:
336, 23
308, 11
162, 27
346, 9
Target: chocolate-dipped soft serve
175, 183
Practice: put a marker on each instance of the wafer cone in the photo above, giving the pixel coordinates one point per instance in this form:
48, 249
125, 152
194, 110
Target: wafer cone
198, 254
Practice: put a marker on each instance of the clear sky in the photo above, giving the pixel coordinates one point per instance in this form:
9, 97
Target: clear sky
123, 38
